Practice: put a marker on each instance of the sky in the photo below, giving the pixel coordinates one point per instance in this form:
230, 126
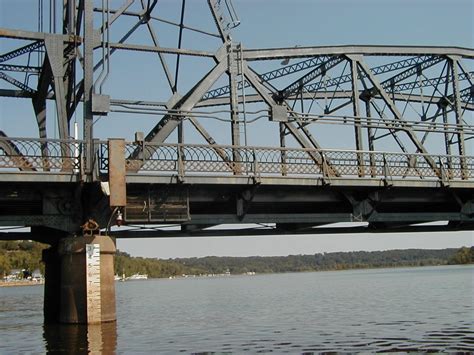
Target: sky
270, 24
290, 245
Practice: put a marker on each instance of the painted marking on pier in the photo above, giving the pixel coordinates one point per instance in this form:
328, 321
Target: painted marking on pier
94, 314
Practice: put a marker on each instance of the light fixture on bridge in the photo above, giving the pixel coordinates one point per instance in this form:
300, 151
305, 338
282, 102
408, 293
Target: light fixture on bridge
119, 220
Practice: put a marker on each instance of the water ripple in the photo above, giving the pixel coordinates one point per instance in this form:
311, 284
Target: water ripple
354, 311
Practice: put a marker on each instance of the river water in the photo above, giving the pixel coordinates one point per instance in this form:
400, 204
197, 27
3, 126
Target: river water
406, 309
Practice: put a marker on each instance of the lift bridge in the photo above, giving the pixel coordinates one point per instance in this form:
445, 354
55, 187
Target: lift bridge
212, 134
283, 140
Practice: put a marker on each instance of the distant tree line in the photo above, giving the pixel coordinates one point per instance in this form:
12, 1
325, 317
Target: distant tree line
323, 261
463, 255
20, 254
27, 255
154, 268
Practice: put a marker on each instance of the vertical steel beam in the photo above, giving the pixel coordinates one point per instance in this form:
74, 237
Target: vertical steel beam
370, 138
39, 100
79, 15
446, 132
69, 11
39, 106
88, 133
55, 52
232, 67
356, 110
283, 145
180, 39
458, 112
180, 132
69, 17
446, 138
234, 105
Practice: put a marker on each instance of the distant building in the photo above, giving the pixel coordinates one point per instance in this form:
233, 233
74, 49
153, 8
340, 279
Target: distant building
36, 275
15, 274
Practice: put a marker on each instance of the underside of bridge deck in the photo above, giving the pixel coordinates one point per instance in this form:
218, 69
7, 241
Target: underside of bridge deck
195, 208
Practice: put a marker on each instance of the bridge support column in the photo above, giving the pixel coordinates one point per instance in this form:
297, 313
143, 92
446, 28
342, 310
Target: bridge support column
81, 289
52, 285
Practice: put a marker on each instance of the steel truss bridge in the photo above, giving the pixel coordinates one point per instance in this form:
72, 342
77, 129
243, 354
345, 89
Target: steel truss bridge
281, 140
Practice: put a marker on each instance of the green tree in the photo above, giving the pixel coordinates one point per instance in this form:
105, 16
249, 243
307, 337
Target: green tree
464, 255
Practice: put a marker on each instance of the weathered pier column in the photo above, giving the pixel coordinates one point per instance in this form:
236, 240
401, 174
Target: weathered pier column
87, 279
52, 285
80, 286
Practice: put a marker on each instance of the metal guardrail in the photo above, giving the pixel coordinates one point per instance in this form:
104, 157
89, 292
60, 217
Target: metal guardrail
182, 160
65, 156
41, 155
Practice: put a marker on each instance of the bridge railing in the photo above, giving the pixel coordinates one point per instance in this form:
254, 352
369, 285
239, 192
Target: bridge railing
41, 155
185, 159
65, 156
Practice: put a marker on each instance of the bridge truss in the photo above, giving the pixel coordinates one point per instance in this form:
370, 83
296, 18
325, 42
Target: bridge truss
223, 134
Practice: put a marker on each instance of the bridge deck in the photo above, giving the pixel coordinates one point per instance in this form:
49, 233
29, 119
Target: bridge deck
198, 186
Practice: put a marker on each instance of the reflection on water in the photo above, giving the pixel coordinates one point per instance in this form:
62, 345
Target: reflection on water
72, 338
384, 310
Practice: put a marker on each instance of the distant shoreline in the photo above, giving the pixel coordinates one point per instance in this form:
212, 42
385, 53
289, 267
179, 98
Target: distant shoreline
20, 283
33, 283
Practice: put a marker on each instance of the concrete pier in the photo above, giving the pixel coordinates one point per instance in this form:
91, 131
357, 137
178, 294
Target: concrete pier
52, 285
80, 286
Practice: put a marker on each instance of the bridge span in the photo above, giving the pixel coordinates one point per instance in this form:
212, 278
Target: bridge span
212, 134
199, 186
